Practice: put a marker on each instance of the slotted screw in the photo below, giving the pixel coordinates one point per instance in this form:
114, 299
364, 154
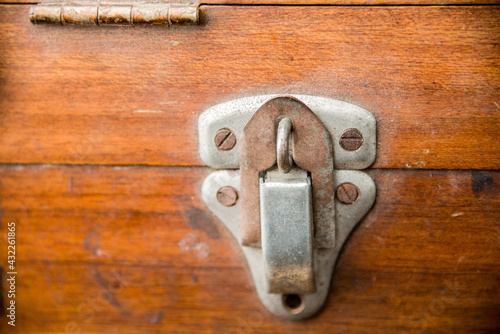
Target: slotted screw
351, 139
224, 139
227, 196
347, 193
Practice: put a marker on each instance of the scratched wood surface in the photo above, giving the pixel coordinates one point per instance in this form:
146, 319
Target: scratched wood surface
134, 250
131, 96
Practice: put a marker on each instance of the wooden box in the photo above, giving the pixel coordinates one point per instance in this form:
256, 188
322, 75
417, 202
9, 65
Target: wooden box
101, 174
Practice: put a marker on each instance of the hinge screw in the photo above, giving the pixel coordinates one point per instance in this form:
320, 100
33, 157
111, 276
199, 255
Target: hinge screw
224, 139
347, 193
227, 196
351, 139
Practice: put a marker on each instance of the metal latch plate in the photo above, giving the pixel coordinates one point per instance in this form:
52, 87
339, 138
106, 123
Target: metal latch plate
287, 222
337, 116
346, 217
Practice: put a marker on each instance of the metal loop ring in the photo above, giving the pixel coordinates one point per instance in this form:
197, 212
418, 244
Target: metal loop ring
285, 161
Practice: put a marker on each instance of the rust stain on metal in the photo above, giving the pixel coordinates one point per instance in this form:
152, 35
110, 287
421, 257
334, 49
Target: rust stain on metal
351, 139
46, 14
291, 279
154, 14
227, 196
181, 14
225, 139
115, 15
347, 193
312, 151
79, 15
136, 14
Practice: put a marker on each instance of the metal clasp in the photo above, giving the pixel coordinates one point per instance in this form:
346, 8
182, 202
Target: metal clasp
286, 205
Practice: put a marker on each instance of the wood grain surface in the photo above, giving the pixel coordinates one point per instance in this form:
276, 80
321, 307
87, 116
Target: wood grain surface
289, 2
99, 166
132, 96
133, 249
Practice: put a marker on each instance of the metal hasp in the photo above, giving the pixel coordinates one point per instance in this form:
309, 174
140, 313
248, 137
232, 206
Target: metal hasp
295, 198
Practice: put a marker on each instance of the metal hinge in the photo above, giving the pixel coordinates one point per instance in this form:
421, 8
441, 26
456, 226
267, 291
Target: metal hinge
295, 198
166, 14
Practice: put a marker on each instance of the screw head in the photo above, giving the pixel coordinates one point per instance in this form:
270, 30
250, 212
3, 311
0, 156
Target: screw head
227, 196
347, 193
224, 139
351, 139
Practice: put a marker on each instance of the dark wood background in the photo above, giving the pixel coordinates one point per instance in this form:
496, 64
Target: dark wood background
100, 167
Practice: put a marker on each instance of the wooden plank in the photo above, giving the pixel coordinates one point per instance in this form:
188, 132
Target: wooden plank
349, 2
294, 2
134, 250
83, 95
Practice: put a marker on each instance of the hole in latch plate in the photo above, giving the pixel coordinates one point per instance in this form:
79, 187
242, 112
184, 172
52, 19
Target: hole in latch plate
294, 303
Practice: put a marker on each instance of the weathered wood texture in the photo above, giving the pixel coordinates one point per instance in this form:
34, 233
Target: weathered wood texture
134, 250
290, 2
430, 75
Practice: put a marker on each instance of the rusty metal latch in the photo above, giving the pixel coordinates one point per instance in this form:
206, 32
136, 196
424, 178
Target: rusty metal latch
295, 198
163, 14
